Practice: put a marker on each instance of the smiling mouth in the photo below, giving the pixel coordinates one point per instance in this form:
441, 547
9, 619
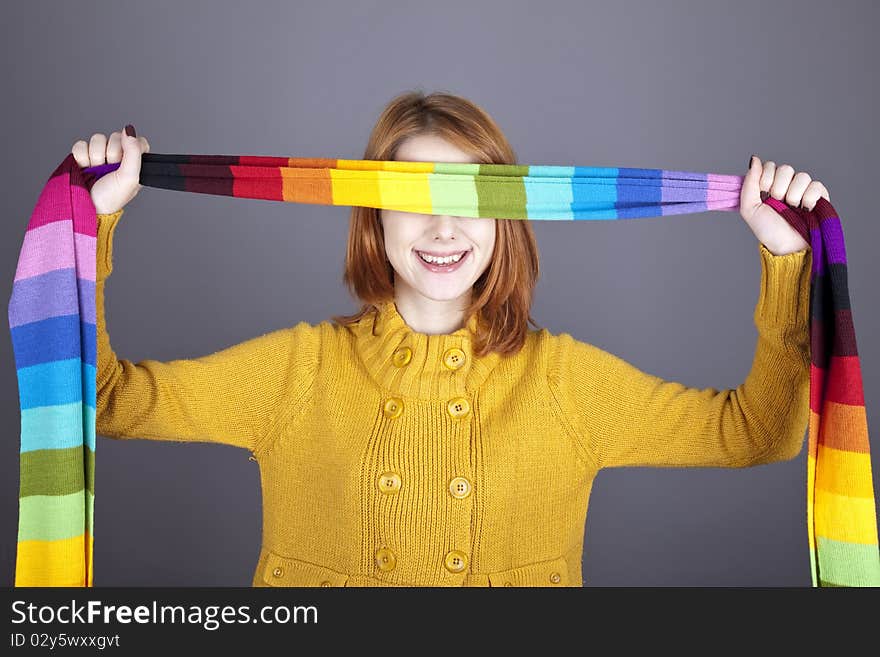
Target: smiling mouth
450, 258
442, 264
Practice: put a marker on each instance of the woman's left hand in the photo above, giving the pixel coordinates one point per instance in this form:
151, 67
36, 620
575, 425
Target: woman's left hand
797, 190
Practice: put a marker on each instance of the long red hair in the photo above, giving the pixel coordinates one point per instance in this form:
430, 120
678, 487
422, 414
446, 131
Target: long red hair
502, 295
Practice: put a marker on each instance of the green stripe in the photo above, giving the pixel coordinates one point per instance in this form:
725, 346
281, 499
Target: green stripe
56, 471
459, 195
52, 517
467, 168
504, 170
507, 201
848, 564
90, 519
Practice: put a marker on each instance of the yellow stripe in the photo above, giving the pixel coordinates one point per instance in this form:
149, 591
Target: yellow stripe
357, 165
405, 192
811, 472
51, 563
844, 473
846, 519
355, 188
415, 167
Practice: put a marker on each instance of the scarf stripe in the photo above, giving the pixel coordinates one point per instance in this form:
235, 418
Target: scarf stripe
502, 191
841, 513
52, 322
52, 325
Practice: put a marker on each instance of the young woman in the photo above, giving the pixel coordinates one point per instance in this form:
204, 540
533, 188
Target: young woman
433, 438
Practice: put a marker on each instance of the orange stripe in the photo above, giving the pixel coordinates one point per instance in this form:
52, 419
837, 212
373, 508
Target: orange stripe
842, 427
311, 162
306, 186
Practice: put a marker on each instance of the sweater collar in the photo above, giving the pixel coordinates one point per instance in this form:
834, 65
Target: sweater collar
408, 363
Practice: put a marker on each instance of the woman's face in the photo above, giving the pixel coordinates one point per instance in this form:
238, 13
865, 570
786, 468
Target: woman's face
409, 234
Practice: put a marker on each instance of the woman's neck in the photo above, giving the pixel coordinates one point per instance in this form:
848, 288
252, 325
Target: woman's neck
424, 315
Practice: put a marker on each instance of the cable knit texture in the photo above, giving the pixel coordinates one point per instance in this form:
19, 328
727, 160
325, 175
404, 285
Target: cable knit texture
392, 457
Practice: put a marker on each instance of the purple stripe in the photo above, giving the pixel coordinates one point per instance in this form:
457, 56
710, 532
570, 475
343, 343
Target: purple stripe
52, 294
818, 253
832, 236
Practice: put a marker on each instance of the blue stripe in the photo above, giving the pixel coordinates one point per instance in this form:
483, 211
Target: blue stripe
57, 427
52, 339
594, 200
50, 384
639, 193
546, 199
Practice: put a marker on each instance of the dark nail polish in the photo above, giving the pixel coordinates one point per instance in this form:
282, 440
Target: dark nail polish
129, 130
751, 159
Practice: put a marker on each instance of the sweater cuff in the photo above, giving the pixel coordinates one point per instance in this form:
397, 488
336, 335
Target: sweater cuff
104, 245
784, 299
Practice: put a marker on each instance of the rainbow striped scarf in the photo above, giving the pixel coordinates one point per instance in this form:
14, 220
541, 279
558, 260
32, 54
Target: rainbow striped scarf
52, 322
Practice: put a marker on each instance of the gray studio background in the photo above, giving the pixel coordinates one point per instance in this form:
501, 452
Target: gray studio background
677, 85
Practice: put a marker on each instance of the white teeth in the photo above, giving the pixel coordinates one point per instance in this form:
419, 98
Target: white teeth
440, 261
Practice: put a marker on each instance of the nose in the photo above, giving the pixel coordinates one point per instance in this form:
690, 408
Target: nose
444, 227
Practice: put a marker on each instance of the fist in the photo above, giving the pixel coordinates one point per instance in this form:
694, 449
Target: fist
114, 190
798, 190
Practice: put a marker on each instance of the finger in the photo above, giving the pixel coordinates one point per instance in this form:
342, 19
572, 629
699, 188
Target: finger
750, 195
781, 181
80, 152
814, 190
824, 193
797, 187
767, 175
97, 149
114, 148
131, 157
145, 145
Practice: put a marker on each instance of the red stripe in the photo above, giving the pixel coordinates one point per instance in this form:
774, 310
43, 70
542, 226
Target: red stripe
817, 384
266, 186
262, 161
844, 381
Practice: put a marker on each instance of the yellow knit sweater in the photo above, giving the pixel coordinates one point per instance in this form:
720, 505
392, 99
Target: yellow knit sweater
391, 457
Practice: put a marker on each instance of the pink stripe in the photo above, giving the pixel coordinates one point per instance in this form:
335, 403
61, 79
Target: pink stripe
86, 255
50, 247
53, 204
84, 219
733, 183
59, 202
721, 200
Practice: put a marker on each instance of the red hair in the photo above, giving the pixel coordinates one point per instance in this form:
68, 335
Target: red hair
502, 295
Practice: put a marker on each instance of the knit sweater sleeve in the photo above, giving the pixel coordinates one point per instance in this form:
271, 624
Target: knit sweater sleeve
621, 416
232, 396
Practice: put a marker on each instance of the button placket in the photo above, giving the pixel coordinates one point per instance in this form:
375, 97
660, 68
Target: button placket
402, 356
459, 487
458, 407
393, 407
454, 358
455, 561
389, 482
386, 560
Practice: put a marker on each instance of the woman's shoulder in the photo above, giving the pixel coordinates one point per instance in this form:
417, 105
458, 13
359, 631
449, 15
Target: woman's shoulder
324, 333
562, 349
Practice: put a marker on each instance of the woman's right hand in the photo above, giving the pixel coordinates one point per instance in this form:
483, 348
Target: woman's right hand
112, 191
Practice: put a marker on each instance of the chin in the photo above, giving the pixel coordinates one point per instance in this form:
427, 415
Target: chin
442, 292
444, 295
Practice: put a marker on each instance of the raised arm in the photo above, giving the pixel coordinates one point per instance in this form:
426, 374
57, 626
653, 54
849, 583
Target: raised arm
230, 396
622, 416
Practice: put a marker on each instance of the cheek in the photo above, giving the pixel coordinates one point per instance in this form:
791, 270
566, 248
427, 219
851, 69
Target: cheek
486, 235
